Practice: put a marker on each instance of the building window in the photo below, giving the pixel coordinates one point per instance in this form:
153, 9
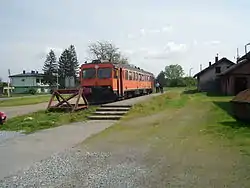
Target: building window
217, 70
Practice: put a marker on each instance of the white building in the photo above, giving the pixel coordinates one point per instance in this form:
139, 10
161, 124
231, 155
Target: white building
24, 82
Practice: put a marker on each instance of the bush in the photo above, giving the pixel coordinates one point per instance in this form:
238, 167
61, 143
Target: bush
32, 91
182, 82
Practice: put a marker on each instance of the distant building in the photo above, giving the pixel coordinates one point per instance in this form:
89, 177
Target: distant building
23, 82
237, 77
208, 80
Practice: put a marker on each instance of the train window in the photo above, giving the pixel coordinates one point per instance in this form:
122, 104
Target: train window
130, 75
104, 73
88, 73
136, 76
133, 75
126, 75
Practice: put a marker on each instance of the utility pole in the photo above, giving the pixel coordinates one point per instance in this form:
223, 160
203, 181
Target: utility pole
8, 89
190, 72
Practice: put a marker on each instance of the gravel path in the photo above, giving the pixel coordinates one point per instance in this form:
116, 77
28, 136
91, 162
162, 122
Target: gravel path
74, 168
17, 153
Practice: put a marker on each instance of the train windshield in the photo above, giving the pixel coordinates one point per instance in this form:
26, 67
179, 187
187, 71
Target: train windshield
104, 73
88, 73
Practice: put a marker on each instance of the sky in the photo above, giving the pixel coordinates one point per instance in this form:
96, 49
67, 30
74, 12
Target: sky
151, 33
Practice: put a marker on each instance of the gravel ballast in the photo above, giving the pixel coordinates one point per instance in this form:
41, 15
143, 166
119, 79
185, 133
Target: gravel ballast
74, 168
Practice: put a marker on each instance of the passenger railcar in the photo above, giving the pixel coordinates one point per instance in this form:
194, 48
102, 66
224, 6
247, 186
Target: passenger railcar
110, 81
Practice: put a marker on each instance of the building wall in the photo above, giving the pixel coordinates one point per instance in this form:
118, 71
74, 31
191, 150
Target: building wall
26, 81
228, 81
24, 84
208, 81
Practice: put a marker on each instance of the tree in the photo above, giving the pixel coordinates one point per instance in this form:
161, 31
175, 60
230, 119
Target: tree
50, 68
161, 78
107, 51
174, 72
68, 65
73, 60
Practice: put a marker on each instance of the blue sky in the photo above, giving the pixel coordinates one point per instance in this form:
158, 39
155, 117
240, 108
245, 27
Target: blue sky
152, 34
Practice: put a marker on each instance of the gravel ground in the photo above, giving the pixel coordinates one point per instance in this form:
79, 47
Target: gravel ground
75, 168
5, 135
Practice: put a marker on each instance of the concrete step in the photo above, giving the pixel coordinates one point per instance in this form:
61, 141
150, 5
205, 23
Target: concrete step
104, 117
116, 106
112, 109
114, 113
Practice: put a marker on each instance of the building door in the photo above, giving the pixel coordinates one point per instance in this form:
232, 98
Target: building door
240, 84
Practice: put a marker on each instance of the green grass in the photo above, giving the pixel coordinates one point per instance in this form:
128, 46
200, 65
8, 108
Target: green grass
178, 133
24, 101
215, 112
43, 120
13, 95
156, 104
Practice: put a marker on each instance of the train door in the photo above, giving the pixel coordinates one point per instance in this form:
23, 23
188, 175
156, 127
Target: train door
118, 81
121, 82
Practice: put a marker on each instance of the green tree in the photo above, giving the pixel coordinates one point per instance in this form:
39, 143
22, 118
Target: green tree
68, 65
73, 60
174, 72
50, 68
161, 78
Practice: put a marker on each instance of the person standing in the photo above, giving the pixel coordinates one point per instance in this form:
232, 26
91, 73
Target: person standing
157, 87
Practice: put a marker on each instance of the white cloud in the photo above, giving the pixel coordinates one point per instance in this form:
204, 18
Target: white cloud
168, 28
212, 43
195, 42
171, 50
173, 47
154, 31
57, 50
130, 36
142, 31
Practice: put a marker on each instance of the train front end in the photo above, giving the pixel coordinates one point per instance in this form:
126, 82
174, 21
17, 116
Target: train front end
98, 78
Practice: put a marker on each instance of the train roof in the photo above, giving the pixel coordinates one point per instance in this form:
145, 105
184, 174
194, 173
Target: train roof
118, 65
130, 67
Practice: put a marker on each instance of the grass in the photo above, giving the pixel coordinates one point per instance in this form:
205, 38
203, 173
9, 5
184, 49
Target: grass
13, 95
43, 120
24, 101
182, 132
215, 112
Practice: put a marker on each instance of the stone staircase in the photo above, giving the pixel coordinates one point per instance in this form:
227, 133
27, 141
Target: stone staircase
110, 112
